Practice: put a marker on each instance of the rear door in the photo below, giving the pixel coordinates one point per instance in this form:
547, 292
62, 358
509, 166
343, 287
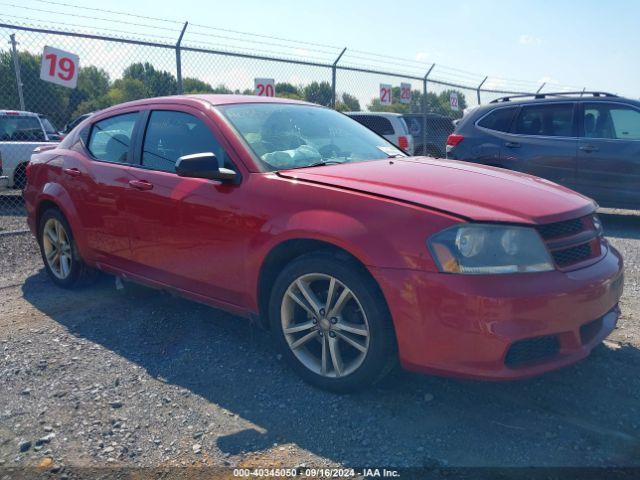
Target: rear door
543, 142
609, 153
97, 178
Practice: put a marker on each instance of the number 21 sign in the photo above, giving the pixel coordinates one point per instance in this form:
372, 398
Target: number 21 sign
59, 67
385, 94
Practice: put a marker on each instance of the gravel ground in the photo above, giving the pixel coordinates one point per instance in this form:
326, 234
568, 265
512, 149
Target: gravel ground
12, 212
136, 377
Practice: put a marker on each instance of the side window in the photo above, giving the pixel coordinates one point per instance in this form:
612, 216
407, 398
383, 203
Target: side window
170, 135
380, 125
611, 121
500, 119
110, 138
551, 120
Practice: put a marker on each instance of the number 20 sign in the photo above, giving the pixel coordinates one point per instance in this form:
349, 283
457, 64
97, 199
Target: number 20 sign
59, 67
265, 87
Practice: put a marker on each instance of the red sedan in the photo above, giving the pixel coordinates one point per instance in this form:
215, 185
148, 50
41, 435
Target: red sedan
354, 254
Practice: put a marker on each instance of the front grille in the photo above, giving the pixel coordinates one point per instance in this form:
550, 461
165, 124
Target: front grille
532, 350
572, 241
561, 229
589, 330
569, 256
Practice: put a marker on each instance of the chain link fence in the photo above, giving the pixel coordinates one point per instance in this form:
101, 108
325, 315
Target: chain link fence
114, 70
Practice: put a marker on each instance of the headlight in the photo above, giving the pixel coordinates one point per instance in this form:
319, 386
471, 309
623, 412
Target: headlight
482, 249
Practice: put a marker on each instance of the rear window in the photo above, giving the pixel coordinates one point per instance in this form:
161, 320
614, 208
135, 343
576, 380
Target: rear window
380, 125
552, 120
499, 120
14, 128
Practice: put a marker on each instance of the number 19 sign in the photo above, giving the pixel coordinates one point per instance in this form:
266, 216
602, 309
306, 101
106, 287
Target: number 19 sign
59, 67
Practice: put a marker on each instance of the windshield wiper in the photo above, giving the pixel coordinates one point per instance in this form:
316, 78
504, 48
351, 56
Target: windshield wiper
323, 163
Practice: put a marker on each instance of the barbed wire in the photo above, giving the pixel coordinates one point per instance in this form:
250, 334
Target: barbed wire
353, 57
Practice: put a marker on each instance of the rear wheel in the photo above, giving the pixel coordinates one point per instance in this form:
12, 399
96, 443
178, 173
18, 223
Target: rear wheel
332, 323
59, 252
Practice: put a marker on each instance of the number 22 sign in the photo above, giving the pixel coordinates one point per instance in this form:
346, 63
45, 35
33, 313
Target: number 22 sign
59, 67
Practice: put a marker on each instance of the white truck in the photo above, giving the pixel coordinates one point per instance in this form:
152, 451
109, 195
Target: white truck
20, 134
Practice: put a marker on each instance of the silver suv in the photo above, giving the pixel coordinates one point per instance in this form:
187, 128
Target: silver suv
388, 125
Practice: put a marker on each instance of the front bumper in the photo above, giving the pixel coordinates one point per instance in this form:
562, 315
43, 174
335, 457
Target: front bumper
501, 326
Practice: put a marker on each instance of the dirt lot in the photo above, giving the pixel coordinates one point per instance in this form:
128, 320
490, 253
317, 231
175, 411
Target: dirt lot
139, 378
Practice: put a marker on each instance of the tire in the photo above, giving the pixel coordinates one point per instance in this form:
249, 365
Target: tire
67, 273
363, 310
20, 177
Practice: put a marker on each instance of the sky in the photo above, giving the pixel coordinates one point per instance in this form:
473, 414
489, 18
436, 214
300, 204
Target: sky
517, 43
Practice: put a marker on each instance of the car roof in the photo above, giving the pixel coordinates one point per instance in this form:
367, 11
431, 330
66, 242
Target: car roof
376, 114
18, 113
206, 100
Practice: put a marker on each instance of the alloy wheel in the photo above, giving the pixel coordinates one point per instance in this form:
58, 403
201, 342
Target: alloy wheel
57, 248
325, 325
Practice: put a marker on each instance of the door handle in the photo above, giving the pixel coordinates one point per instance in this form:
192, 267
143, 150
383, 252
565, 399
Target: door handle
141, 184
512, 144
72, 172
589, 148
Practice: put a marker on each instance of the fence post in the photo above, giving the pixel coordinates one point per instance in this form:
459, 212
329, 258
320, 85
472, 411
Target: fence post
334, 67
479, 87
541, 87
16, 67
179, 59
425, 108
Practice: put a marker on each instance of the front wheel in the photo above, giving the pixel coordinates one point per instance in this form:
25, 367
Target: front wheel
331, 323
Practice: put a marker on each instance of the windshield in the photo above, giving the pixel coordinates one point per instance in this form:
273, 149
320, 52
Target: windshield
14, 128
286, 136
48, 126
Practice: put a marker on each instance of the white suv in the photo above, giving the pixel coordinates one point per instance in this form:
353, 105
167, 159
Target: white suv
388, 125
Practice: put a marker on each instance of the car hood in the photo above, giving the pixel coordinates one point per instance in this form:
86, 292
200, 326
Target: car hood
470, 191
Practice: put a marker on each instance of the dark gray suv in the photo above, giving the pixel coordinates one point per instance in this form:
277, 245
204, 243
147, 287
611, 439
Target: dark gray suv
587, 141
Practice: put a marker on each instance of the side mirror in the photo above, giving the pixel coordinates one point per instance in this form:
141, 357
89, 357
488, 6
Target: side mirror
204, 165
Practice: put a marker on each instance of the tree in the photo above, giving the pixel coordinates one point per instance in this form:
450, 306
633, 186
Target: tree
349, 103
93, 83
436, 103
320, 93
39, 96
287, 90
194, 85
157, 83
122, 90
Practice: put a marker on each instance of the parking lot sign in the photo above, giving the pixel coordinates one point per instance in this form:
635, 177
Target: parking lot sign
453, 100
385, 94
59, 67
405, 93
265, 87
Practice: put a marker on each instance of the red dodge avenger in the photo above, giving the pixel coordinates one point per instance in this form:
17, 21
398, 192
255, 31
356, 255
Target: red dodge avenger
354, 254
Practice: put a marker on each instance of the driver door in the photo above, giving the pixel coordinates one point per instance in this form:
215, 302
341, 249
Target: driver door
185, 232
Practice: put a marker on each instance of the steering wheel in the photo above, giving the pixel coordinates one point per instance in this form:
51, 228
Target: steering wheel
329, 151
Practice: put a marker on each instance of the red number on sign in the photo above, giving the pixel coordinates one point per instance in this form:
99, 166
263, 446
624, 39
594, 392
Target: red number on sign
265, 90
384, 95
68, 68
53, 59
65, 64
